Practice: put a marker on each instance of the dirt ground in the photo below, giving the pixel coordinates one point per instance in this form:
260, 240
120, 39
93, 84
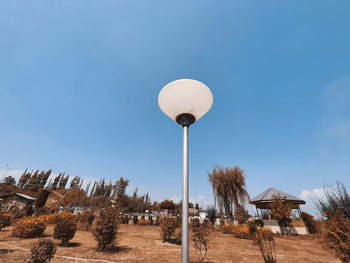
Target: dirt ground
143, 244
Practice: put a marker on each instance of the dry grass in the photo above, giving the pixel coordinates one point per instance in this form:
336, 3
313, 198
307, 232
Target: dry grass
139, 243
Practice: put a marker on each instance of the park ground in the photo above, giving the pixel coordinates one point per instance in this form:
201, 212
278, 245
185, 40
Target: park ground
143, 244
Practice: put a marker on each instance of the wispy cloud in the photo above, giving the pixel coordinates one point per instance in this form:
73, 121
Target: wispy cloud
336, 95
336, 98
176, 199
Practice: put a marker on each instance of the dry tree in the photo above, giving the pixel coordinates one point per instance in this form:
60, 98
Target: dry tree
229, 191
201, 234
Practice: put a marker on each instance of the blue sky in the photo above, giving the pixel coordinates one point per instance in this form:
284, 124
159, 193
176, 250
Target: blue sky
79, 82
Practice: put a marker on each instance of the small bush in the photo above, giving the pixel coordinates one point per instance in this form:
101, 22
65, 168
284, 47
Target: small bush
85, 221
43, 251
168, 226
5, 220
51, 218
266, 243
144, 222
253, 227
200, 237
54, 218
311, 224
227, 228
65, 230
64, 216
238, 231
178, 236
241, 231
30, 227
106, 228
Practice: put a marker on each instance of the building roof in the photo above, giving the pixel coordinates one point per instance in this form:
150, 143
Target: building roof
20, 195
192, 211
26, 196
267, 197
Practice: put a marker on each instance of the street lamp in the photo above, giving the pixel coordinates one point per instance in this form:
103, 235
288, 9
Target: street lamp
185, 101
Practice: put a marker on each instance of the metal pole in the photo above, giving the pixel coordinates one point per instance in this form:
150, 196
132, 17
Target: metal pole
185, 197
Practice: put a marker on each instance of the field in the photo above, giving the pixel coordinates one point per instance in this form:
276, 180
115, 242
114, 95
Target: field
143, 244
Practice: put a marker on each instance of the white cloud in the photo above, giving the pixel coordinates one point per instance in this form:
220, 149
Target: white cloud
312, 194
176, 199
310, 197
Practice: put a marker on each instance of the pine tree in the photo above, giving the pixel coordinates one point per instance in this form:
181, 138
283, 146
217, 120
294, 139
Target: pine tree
75, 182
56, 181
43, 178
63, 182
24, 179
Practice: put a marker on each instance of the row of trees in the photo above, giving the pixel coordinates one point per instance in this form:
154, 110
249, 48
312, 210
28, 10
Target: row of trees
72, 194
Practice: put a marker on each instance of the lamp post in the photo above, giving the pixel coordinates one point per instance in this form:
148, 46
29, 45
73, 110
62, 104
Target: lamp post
185, 101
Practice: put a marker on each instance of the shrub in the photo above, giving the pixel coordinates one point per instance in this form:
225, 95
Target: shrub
241, 231
168, 226
65, 230
43, 251
106, 228
238, 231
253, 228
5, 220
200, 237
336, 236
85, 221
54, 218
30, 227
178, 236
144, 222
266, 243
227, 228
65, 215
311, 224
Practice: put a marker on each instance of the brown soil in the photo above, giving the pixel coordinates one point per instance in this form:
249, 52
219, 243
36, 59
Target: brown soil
143, 244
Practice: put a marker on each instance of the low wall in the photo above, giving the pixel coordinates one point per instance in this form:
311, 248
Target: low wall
291, 230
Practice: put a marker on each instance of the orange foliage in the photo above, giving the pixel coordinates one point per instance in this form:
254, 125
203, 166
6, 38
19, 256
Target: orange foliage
238, 231
144, 222
30, 227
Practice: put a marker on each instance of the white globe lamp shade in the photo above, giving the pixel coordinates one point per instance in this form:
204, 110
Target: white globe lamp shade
185, 100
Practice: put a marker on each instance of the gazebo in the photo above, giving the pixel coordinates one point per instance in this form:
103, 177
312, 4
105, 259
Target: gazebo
262, 204
263, 201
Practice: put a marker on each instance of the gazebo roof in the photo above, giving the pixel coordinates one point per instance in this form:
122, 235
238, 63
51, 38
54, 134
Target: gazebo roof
267, 197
